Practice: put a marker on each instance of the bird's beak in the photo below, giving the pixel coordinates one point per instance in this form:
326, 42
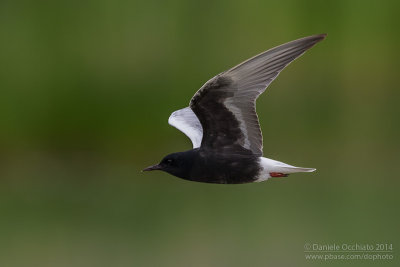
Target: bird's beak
152, 168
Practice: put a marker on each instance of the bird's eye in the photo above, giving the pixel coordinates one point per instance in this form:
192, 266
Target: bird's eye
169, 161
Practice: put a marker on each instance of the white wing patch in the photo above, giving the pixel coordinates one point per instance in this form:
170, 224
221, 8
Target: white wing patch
187, 122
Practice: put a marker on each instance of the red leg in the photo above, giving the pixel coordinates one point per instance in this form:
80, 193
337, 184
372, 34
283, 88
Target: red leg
278, 174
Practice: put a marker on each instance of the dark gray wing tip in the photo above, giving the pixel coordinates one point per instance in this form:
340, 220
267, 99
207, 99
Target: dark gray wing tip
311, 40
302, 45
317, 37
321, 35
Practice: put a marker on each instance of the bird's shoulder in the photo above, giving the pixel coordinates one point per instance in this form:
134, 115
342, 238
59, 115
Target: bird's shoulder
219, 84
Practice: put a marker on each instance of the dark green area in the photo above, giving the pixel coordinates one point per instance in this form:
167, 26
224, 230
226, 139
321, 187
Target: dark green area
86, 89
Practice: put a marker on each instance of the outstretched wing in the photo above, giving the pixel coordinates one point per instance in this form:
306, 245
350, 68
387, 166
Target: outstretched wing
225, 105
188, 123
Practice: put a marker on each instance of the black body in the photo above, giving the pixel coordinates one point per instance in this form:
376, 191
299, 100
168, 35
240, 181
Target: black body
211, 166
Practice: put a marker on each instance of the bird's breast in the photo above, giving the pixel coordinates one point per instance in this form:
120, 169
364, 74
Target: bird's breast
225, 169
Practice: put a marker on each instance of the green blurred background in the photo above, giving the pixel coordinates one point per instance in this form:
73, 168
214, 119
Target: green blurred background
86, 88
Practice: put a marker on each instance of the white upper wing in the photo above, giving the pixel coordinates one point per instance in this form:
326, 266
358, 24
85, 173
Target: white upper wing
187, 122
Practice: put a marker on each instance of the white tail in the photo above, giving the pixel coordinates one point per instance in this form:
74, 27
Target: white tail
274, 166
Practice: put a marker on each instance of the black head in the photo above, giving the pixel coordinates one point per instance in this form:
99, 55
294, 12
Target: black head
178, 164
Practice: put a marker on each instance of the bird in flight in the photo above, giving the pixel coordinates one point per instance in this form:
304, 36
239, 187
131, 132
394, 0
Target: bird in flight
222, 123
